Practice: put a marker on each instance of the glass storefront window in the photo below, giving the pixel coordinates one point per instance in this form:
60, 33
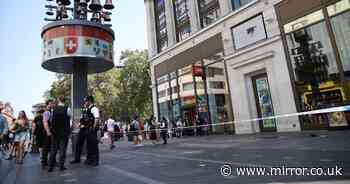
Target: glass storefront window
341, 27
164, 97
340, 20
311, 54
338, 7
188, 86
218, 97
316, 73
191, 93
303, 21
187, 97
209, 11
182, 19
176, 111
239, 3
161, 31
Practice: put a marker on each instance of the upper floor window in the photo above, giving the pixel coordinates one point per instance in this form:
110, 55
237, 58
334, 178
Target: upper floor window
161, 31
209, 11
238, 3
182, 19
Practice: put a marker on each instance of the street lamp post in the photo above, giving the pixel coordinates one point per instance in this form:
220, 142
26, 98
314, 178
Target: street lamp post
74, 44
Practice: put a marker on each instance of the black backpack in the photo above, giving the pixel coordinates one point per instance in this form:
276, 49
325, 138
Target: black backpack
39, 126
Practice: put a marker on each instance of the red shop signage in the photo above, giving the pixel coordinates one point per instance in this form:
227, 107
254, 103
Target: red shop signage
197, 70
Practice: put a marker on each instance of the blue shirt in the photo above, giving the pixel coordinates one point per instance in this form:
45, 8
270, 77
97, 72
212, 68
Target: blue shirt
3, 125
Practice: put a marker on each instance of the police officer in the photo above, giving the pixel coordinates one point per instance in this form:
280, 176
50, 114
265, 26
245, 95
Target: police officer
89, 124
47, 140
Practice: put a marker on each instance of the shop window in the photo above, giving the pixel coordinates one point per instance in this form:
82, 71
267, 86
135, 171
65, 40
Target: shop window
162, 79
164, 110
238, 3
217, 85
219, 102
182, 19
162, 94
316, 73
188, 86
200, 85
212, 71
340, 20
168, 91
161, 30
304, 21
175, 89
209, 11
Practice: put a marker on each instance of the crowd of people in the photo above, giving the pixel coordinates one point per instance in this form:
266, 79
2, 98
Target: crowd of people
52, 127
138, 130
13, 130
50, 132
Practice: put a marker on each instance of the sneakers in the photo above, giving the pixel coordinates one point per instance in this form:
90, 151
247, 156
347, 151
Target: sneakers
62, 168
112, 147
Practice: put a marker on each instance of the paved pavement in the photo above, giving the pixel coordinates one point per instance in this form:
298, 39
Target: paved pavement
199, 160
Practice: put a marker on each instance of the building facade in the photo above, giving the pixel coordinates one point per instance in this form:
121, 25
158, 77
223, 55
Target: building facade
229, 62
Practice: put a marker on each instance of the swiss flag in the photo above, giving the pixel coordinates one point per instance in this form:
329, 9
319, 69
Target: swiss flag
71, 45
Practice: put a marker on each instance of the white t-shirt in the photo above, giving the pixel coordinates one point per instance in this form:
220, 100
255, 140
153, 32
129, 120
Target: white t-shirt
95, 112
110, 125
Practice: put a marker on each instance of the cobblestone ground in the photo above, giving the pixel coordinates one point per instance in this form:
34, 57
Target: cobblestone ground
199, 159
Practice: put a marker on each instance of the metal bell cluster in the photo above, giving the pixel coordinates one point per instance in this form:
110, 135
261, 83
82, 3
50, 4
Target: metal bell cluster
98, 11
96, 5
98, 14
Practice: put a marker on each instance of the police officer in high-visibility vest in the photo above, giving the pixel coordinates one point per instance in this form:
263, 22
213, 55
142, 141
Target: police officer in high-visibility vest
89, 125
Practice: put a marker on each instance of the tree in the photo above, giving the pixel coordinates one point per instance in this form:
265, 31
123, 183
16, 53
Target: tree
119, 93
60, 87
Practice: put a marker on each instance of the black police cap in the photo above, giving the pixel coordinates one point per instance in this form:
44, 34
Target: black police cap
89, 98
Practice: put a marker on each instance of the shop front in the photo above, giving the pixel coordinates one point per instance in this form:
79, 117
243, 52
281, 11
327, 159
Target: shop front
317, 43
197, 93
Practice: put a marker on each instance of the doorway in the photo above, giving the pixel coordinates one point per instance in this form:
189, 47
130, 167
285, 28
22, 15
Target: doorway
264, 103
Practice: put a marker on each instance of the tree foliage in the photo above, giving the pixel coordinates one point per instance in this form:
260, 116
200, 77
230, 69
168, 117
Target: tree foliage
119, 93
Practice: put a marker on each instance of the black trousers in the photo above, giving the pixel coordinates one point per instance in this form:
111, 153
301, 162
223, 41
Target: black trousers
164, 136
46, 147
90, 136
58, 144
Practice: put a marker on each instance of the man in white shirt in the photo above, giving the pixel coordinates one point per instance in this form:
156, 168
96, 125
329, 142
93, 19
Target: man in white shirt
111, 131
89, 125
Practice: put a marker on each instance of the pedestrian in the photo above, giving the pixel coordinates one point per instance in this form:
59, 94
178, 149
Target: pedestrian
117, 131
206, 127
50, 104
3, 127
59, 134
20, 128
173, 128
153, 127
179, 128
135, 130
7, 112
164, 130
89, 125
38, 131
111, 131
141, 132
198, 125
